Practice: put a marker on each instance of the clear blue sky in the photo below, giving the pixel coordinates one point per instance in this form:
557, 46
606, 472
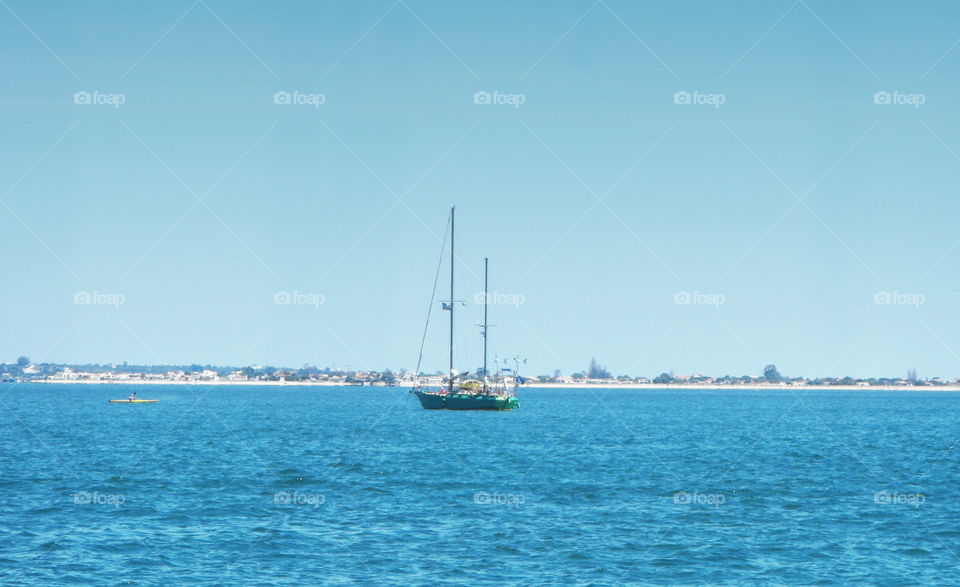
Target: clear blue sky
298, 198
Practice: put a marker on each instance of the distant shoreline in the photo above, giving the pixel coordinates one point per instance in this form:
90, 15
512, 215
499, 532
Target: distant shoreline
637, 386
219, 382
743, 386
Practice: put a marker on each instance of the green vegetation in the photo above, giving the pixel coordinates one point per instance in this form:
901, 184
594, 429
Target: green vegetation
664, 378
771, 374
597, 371
23, 370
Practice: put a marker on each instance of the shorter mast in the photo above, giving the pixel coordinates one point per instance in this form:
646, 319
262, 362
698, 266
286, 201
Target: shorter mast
486, 304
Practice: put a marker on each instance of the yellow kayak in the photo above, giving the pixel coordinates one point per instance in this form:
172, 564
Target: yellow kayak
134, 401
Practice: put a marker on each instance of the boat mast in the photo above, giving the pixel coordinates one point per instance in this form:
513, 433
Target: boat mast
452, 211
486, 303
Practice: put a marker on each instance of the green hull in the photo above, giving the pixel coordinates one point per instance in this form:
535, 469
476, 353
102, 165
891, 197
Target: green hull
459, 401
481, 402
431, 401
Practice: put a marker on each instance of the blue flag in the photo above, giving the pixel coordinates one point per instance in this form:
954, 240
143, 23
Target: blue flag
447, 306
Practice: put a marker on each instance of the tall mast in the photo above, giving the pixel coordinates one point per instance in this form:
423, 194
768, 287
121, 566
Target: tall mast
452, 211
486, 302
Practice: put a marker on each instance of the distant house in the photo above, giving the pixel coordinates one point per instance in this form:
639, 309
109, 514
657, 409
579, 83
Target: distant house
67, 374
237, 376
407, 379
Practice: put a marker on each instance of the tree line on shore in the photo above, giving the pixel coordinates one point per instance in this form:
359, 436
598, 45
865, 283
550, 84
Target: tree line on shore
24, 369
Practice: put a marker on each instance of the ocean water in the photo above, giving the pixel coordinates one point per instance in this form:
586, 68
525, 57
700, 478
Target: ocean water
298, 485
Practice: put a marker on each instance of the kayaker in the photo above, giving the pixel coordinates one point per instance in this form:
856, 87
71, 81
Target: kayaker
133, 396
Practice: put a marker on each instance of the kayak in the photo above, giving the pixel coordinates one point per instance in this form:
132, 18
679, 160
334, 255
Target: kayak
134, 401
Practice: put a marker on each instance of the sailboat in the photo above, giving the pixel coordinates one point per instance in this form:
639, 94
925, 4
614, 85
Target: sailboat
457, 391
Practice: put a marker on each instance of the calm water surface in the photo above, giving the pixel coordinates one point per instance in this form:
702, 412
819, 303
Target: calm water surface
297, 485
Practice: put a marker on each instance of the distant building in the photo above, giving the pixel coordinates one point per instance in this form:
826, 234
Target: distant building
237, 376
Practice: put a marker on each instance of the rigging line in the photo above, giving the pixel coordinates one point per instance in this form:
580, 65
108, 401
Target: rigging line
433, 296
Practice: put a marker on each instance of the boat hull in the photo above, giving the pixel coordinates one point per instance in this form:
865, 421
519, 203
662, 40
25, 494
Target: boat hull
466, 402
481, 402
134, 401
431, 401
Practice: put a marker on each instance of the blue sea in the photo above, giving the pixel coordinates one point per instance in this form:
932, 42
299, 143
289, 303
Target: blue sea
299, 485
